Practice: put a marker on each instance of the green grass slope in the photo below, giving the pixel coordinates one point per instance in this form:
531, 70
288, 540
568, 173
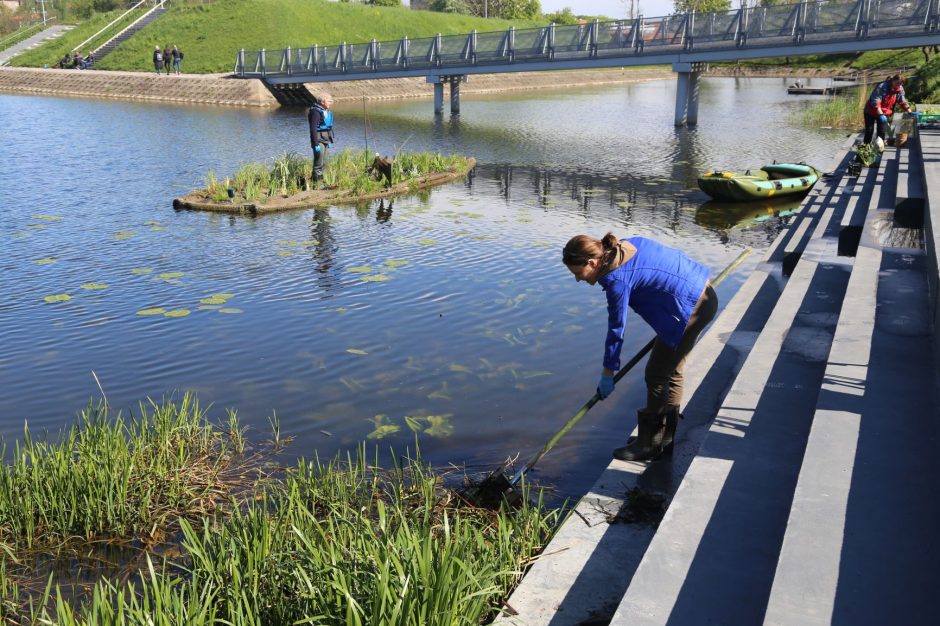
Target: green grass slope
53, 50
210, 35
925, 85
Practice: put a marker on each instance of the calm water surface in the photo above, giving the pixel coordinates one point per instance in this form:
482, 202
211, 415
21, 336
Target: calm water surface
448, 313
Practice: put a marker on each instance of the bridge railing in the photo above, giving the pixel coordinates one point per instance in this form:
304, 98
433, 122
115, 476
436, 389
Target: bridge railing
781, 25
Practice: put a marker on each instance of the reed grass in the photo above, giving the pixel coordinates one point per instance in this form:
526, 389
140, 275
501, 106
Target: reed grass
843, 111
342, 542
345, 170
109, 478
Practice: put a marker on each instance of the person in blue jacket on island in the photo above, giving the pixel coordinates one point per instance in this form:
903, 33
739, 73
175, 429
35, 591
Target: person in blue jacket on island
320, 119
673, 294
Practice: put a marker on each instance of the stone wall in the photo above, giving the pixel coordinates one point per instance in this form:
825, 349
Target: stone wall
223, 90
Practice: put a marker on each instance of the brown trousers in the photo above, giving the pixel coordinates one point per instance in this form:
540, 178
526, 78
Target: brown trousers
664, 379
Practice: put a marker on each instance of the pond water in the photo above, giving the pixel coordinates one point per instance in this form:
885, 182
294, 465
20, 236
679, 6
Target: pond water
448, 313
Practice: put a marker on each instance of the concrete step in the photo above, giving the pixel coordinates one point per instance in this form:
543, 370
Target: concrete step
860, 544
874, 186
714, 555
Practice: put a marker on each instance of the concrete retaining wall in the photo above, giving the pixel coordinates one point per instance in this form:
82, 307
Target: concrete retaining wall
222, 90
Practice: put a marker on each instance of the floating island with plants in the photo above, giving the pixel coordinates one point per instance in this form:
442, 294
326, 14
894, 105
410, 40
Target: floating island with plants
350, 176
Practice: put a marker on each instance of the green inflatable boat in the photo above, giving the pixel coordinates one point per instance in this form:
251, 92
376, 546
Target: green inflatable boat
770, 181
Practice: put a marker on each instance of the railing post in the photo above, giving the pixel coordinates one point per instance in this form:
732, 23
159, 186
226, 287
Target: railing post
374, 54
406, 48
687, 42
342, 57
262, 61
290, 61
639, 41
437, 51
551, 41
511, 42
241, 62
592, 40
473, 47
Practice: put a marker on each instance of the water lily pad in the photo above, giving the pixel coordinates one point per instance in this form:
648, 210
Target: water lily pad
340, 309
377, 278
225, 296
177, 313
48, 218
94, 286
427, 242
59, 297
170, 275
456, 367
285, 253
383, 427
139, 271
124, 234
524, 220
356, 351
360, 269
395, 263
156, 311
45, 261
158, 228
230, 311
37, 226
212, 300
624, 204
151, 223
310, 242
286, 242
433, 425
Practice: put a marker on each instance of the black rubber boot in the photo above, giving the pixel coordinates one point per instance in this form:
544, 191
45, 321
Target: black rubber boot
669, 432
649, 441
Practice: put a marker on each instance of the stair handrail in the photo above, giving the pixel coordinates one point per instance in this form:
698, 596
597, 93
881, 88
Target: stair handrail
117, 19
18, 33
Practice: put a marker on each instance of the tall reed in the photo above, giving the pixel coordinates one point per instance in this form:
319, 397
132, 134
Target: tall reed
340, 543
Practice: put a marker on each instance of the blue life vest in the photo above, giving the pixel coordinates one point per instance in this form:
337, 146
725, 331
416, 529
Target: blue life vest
326, 120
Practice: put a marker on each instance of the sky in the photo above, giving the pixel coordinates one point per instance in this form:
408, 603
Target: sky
610, 8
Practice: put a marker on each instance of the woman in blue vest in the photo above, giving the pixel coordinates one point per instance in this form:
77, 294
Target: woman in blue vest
672, 294
320, 118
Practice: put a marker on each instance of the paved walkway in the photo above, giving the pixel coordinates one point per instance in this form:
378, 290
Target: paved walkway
39, 38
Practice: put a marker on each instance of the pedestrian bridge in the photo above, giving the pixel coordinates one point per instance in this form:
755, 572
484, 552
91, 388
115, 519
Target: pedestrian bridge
687, 41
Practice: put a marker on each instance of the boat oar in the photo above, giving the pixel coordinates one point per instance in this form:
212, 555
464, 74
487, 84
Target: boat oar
496, 486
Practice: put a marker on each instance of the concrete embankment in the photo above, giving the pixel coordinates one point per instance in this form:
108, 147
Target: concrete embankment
224, 90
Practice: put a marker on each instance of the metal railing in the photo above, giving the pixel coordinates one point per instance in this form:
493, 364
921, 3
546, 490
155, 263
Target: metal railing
790, 25
156, 5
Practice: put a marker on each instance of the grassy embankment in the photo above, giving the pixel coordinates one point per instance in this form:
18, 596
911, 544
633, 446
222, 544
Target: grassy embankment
345, 170
342, 542
845, 111
50, 52
210, 35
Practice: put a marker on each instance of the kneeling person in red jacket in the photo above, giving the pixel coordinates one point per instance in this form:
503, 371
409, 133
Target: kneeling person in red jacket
880, 106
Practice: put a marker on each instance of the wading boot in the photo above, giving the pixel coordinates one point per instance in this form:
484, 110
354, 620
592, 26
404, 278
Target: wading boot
649, 441
669, 431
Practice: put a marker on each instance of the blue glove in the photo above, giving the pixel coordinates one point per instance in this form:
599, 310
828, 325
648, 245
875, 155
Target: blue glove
883, 118
605, 387
317, 148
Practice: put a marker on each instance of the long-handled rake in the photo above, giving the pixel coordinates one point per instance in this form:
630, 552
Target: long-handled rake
496, 487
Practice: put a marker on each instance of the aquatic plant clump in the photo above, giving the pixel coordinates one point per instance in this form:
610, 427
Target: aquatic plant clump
340, 543
108, 478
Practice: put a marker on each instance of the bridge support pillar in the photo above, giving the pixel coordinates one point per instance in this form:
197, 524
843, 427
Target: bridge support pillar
438, 98
455, 94
687, 87
454, 82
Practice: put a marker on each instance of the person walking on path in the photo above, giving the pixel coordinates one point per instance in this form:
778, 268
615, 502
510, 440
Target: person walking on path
157, 59
880, 106
673, 294
177, 58
320, 119
167, 58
